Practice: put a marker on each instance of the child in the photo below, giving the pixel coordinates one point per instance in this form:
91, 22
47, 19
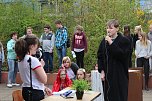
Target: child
70, 67
61, 38
28, 31
47, 39
143, 53
62, 81
127, 33
34, 73
11, 59
81, 74
1, 58
137, 30
79, 45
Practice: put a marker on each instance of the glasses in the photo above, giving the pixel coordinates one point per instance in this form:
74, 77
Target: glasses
62, 74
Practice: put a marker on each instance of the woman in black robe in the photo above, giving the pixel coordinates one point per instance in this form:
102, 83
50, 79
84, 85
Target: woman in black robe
113, 60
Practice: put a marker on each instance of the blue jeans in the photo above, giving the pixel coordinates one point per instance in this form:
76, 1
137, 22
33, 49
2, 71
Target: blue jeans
61, 53
13, 68
48, 59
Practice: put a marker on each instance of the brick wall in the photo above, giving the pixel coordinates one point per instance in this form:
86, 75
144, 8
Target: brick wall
52, 77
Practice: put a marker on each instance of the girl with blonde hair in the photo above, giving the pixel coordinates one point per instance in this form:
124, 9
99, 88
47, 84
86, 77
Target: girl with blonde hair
81, 74
70, 67
143, 53
137, 30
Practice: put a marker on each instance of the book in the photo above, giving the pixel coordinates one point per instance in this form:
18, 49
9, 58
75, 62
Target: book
65, 93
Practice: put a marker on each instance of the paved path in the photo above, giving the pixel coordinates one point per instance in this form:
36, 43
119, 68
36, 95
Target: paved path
147, 95
6, 93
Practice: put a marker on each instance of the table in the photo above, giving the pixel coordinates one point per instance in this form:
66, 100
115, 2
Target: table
88, 96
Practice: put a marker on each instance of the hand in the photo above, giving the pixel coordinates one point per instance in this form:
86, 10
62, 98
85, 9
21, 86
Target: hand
102, 75
137, 56
48, 91
108, 39
42, 62
63, 66
51, 50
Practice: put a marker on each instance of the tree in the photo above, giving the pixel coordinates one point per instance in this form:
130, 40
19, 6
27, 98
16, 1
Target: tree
91, 14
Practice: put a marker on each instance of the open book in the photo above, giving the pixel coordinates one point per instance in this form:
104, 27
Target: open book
65, 93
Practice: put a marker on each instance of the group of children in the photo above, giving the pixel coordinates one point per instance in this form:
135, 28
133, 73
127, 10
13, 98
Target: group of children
48, 40
31, 70
141, 43
25, 47
62, 80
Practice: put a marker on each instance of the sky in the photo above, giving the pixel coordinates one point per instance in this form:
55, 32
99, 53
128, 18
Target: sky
146, 4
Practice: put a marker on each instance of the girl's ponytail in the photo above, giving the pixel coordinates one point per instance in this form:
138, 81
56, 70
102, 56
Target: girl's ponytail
21, 49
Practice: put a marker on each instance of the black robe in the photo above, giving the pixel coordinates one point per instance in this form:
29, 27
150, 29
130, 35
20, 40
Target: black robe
114, 59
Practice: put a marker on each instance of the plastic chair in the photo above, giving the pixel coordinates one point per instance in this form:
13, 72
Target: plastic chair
17, 95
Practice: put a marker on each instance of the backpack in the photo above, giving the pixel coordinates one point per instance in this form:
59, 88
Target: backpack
68, 42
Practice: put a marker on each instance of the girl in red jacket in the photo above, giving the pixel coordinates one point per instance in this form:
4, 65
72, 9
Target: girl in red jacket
62, 81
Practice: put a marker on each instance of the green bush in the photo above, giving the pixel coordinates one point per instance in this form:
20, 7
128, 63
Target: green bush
91, 14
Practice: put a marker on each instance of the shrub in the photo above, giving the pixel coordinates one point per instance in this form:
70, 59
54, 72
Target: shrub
91, 14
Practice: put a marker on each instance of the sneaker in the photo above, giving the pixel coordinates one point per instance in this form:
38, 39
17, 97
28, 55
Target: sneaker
9, 85
15, 84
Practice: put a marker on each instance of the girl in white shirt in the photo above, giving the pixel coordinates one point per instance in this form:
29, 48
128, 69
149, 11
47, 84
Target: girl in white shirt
143, 53
25, 48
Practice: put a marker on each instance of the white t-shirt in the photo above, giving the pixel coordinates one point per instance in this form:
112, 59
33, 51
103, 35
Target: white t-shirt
24, 70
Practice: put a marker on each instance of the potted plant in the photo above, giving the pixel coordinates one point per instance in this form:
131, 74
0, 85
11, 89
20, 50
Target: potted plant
80, 86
